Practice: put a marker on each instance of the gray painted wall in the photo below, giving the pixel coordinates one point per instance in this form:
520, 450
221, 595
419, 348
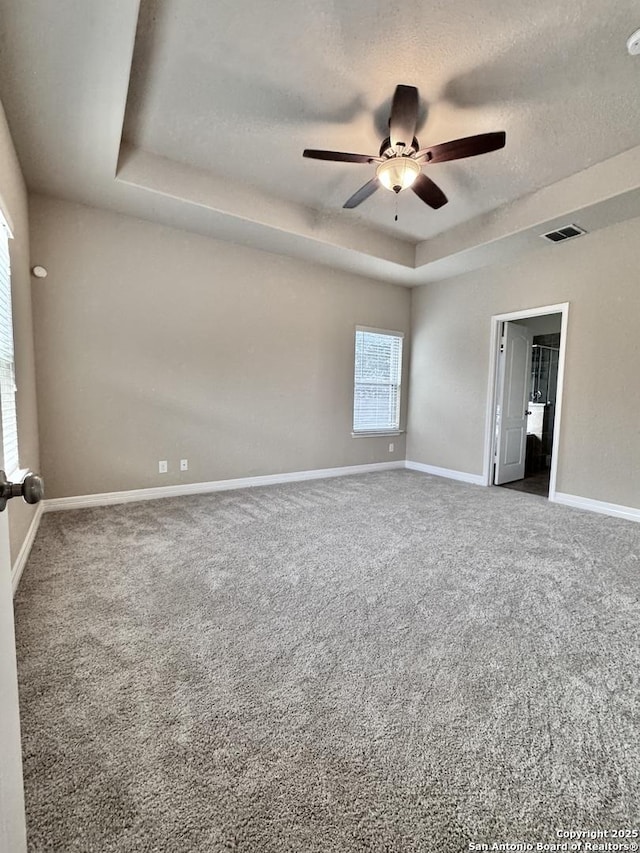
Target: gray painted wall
153, 343
600, 438
13, 200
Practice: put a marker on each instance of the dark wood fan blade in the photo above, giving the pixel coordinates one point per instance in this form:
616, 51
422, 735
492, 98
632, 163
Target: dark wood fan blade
469, 146
338, 156
429, 192
362, 194
404, 115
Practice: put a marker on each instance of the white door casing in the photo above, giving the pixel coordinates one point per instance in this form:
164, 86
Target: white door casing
12, 819
512, 400
497, 321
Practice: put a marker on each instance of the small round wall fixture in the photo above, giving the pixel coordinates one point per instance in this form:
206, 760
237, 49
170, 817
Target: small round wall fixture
633, 43
39, 272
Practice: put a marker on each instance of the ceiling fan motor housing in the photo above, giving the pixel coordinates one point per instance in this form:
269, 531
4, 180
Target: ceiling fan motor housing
387, 149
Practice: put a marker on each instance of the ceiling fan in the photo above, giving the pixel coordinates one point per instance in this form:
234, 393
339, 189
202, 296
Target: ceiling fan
401, 159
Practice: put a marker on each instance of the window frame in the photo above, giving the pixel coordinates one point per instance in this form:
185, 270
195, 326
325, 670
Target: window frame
377, 431
13, 472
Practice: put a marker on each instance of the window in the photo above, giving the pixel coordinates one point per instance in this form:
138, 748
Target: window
7, 368
378, 370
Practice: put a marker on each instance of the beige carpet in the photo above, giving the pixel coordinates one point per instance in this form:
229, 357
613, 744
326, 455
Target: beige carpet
390, 662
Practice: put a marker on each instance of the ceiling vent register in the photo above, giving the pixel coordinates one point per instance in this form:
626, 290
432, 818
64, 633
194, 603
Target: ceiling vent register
566, 233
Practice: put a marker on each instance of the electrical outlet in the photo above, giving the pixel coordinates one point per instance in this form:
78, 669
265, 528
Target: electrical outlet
392, 447
162, 466
184, 464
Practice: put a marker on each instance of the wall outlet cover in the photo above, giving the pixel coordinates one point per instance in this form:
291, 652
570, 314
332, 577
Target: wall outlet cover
162, 466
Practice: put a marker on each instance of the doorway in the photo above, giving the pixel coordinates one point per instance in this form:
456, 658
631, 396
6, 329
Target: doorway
525, 399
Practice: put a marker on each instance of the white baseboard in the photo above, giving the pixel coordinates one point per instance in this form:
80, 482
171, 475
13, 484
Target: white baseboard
106, 498
631, 513
23, 555
475, 479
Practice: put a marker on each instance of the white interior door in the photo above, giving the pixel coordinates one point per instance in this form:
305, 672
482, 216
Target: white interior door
12, 821
512, 401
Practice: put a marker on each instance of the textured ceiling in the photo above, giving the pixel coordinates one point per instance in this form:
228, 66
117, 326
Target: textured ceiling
240, 89
194, 114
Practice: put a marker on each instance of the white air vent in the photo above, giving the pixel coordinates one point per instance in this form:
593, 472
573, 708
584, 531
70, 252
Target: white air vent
565, 233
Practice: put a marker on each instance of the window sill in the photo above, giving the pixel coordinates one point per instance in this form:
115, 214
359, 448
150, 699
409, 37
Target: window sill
377, 432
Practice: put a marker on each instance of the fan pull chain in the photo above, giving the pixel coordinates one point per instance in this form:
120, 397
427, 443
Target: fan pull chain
396, 218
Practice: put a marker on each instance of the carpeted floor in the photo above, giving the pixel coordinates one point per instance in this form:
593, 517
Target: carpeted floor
391, 662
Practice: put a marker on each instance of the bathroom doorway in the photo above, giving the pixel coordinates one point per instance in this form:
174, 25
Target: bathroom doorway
525, 399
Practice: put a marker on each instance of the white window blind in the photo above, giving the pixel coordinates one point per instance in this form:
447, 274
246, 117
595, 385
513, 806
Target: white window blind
378, 371
7, 370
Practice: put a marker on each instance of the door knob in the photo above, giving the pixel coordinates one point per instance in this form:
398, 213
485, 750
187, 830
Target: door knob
31, 489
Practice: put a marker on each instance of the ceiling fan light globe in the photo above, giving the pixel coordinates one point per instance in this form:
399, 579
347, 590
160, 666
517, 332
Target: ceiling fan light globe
398, 172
